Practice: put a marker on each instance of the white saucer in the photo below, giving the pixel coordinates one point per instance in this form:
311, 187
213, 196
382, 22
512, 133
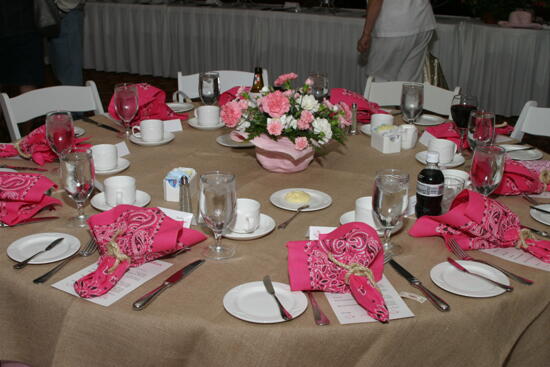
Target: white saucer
429, 120
451, 279
267, 224
521, 155
349, 217
98, 201
319, 200
78, 131
366, 129
27, 246
457, 161
540, 216
180, 107
251, 302
226, 141
121, 165
168, 137
195, 124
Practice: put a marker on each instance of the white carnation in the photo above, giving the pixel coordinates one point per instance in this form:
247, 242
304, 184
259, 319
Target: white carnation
243, 125
309, 103
288, 121
322, 126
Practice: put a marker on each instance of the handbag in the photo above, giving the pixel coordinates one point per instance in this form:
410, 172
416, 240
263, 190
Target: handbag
46, 18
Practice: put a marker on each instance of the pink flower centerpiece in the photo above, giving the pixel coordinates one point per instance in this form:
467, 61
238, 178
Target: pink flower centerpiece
287, 124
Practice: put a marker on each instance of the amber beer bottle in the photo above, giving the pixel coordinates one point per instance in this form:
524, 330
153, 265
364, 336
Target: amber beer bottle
258, 82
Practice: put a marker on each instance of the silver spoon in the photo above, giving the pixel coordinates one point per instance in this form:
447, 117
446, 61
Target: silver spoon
298, 211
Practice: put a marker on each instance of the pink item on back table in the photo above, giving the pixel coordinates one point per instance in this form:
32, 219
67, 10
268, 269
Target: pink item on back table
321, 265
448, 130
22, 195
152, 105
364, 108
478, 222
129, 236
518, 179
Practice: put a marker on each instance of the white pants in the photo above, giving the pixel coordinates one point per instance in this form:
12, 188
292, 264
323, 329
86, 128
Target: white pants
398, 58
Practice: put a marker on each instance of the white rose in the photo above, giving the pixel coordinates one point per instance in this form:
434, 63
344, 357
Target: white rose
288, 121
322, 126
309, 103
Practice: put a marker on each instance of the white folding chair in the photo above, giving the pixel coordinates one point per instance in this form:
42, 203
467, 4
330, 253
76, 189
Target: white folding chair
39, 102
437, 100
532, 120
189, 84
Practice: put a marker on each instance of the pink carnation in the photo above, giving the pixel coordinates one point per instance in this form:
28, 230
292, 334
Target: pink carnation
275, 104
301, 143
284, 78
309, 82
274, 127
343, 122
231, 113
288, 93
346, 119
306, 118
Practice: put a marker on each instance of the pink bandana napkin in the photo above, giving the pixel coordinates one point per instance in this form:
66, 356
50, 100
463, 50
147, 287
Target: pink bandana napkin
348, 259
152, 105
477, 222
231, 94
448, 130
22, 195
518, 179
36, 147
129, 236
364, 108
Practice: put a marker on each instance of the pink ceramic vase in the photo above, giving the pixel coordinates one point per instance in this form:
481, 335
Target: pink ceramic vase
280, 155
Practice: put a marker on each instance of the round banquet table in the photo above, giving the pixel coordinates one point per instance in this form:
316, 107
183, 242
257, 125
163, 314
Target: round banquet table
187, 325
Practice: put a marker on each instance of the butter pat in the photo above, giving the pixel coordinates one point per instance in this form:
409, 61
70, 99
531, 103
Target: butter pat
297, 197
386, 139
171, 183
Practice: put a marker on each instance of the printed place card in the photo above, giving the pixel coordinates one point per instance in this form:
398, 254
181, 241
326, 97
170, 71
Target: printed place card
172, 126
122, 149
518, 256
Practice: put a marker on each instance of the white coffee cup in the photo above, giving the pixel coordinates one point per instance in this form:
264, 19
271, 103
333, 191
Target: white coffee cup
105, 156
207, 115
363, 210
149, 130
247, 216
379, 119
445, 148
120, 190
409, 136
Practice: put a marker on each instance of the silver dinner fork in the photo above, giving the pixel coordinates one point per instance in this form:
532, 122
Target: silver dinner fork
459, 252
90, 249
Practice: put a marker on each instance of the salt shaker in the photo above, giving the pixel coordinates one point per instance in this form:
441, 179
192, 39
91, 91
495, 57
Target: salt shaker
185, 195
353, 130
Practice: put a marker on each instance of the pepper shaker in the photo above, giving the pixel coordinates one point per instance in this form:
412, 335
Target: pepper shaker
185, 195
353, 129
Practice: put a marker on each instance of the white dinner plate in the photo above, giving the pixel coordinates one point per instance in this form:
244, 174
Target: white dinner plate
540, 216
251, 302
27, 246
180, 107
429, 120
267, 224
457, 160
121, 165
318, 200
349, 217
168, 137
79, 131
226, 141
195, 124
366, 129
521, 155
7, 170
451, 279
98, 201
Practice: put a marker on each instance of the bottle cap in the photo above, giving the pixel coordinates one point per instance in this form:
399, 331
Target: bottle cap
432, 157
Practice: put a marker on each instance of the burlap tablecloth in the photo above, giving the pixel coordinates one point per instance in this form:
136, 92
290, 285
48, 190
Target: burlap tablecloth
188, 325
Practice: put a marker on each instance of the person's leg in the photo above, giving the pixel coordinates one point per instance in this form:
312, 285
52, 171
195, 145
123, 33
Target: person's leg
413, 65
387, 55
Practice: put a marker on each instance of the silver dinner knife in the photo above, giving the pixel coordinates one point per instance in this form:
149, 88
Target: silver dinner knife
439, 303
144, 301
269, 287
22, 264
507, 288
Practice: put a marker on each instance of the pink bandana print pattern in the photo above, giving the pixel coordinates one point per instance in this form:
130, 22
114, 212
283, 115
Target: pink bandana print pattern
16, 186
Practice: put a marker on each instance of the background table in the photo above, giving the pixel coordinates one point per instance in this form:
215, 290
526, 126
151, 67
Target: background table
188, 325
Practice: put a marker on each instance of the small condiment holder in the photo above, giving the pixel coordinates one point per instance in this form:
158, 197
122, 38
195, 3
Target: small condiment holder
172, 181
386, 141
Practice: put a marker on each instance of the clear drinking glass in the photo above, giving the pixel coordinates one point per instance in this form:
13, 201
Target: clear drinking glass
481, 129
77, 178
60, 132
209, 87
319, 88
487, 168
217, 202
453, 187
461, 107
126, 104
412, 101
389, 203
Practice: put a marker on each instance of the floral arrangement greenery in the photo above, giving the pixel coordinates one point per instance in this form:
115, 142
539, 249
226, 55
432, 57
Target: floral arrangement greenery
287, 112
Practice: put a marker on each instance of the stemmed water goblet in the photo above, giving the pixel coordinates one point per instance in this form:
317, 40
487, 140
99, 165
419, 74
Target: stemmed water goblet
461, 107
481, 129
60, 132
126, 104
319, 86
209, 87
412, 101
217, 203
487, 168
77, 178
389, 204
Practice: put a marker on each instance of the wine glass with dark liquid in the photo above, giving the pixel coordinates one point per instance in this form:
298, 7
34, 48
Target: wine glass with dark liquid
461, 107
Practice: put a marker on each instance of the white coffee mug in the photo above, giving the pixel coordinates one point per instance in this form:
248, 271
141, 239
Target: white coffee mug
363, 210
149, 131
409, 136
445, 148
379, 119
207, 115
247, 216
120, 190
105, 157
